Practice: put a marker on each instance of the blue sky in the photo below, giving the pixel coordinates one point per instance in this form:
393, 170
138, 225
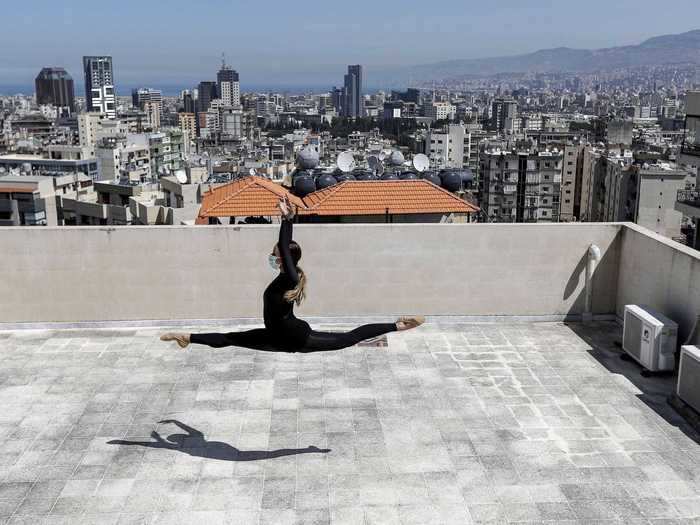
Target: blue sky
177, 42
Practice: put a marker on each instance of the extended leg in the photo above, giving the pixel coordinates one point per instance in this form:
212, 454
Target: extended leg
256, 339
323, 341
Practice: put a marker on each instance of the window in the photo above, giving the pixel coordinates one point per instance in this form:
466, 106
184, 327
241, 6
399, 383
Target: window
567, 201
569, 163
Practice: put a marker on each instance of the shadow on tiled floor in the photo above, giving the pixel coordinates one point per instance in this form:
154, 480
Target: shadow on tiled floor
653, 391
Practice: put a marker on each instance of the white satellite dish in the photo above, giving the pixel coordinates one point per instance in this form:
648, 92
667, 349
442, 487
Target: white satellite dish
251, 171
384, 154
421, 162
181, 176
346, 162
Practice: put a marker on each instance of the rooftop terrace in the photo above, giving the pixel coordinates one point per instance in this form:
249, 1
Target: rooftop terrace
451, 423
503, 408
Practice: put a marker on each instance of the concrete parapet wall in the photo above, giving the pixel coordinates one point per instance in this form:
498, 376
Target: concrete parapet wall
73, 274
661, 273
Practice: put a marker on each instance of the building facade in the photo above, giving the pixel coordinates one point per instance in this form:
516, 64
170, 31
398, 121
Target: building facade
228, 86
354, 102
99, 85
54, 86
521, 186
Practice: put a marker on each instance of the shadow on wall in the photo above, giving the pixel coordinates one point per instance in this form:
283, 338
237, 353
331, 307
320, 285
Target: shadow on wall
653, 391
609, 258
194, 444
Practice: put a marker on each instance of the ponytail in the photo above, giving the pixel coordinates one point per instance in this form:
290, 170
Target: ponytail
298, 293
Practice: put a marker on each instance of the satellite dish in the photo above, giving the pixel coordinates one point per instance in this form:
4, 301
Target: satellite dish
2, 169
380, 169
26, 167
421, 163
384, 154
181, 176
346, 162
308, 158
251, 171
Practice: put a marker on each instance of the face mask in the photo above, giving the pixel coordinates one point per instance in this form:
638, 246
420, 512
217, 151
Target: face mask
272, 260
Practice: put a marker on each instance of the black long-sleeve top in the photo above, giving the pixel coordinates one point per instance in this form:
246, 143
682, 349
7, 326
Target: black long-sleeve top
277, 311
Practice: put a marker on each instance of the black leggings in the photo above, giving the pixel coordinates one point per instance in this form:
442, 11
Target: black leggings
261, 339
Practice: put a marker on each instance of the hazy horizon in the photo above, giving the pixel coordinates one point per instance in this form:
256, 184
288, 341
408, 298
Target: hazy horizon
287, 46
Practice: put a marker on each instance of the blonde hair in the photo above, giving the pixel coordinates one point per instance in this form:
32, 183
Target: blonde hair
298, 293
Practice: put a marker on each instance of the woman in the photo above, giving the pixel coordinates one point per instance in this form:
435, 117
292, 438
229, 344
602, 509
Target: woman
283, 332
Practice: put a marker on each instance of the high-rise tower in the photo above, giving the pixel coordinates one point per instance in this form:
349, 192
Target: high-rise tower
54, 86
228, 85
99, 85
354, 106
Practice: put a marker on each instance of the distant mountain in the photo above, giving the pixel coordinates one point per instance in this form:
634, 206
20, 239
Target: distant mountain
683, 48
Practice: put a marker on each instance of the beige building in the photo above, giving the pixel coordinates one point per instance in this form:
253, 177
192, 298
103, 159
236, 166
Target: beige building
188, 123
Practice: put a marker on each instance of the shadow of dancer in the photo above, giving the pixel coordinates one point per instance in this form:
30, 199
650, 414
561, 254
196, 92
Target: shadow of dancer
194, 444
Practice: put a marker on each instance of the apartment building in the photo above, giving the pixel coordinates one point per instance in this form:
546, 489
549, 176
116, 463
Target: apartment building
521, 186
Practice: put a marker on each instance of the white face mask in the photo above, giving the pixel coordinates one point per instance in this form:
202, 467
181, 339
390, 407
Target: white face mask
272, 260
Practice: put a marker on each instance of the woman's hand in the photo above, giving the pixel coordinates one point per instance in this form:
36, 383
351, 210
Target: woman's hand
286, 208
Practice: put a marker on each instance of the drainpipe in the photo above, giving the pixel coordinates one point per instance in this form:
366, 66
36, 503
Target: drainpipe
593, 260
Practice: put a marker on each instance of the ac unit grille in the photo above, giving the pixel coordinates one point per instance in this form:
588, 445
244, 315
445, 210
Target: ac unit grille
633, 334
689, 381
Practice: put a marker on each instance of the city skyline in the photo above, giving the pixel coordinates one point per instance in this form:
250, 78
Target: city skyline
377, 37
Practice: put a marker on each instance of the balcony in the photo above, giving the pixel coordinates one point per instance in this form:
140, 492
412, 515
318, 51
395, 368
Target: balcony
504, 407
690, 197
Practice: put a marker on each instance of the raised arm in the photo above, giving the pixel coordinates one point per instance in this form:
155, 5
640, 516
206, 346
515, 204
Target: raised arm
283, 244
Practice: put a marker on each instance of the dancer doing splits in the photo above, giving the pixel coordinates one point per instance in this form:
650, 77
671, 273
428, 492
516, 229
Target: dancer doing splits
283, 331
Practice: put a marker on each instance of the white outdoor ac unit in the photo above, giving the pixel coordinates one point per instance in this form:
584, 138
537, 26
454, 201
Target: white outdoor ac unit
688, 388
649, 337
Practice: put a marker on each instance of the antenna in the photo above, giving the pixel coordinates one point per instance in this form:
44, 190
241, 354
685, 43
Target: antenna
421, 163
346, 162
223, 60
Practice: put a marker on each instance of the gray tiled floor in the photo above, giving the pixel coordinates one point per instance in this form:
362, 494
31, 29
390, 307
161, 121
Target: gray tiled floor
453, 423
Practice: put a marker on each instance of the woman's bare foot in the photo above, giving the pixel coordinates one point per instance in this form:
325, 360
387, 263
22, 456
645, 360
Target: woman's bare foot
182, 339
406, 323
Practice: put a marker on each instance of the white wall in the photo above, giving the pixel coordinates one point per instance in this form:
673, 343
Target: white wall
661, 273
216, 272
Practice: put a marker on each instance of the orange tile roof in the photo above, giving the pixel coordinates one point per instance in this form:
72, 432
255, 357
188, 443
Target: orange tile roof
17, 189
378, 197
257, 196
248, 196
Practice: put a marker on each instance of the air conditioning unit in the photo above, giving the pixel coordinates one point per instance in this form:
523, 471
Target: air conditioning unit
649, 338
688, 388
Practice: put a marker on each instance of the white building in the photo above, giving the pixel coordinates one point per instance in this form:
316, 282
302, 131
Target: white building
439, 111
449, 147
